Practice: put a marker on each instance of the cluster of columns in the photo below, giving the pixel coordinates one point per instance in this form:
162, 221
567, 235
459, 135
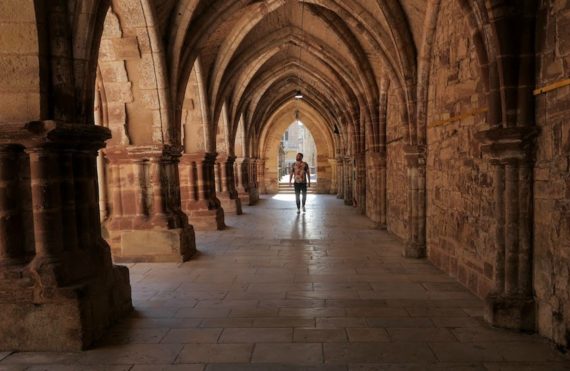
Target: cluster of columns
225, 185
53, 258
248, 170
198, 189
145, 221
509, 150
361, 182
157, 196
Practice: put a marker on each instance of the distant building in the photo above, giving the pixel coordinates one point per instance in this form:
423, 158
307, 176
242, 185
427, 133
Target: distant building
297, 138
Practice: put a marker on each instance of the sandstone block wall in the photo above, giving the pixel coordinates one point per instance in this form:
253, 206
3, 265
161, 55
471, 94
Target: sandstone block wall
552, 175
460, 214
397, 183
129, 73
18, 57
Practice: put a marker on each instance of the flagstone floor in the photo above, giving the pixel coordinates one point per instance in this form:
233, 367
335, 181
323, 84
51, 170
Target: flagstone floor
321, 290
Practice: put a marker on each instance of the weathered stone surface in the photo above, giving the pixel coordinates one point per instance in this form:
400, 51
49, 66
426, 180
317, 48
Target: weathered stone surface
551, 178
397, 193
444, 121
58, 288
460, 212
145, 222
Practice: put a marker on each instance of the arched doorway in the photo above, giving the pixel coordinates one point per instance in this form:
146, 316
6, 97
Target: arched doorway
297, 138
272, 138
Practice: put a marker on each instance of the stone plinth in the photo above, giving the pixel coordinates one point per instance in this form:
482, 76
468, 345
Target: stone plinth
247, 181
36, 315
59, 289
225, 185
145, 223
511, 311
198, 193
510, 151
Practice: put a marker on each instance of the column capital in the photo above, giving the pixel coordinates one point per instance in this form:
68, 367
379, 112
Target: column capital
415, 155
504, 144
54, 133
123, 154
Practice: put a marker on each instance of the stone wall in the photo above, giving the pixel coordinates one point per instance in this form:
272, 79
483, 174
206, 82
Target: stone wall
396, 187
116, 86
131, 72
552, 175
460, 214
19, 98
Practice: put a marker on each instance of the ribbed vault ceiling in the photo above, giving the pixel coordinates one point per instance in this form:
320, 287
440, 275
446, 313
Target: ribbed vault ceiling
255, 54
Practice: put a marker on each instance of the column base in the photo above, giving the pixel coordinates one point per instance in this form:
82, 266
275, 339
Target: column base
231, 206
381, 226
36, 316
511, 312
153, 246
244, 198
340, 197
253, 196
207, 220
414, 250
347, 202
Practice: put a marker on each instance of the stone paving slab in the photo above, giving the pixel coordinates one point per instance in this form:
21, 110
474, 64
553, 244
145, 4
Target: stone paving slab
319, 292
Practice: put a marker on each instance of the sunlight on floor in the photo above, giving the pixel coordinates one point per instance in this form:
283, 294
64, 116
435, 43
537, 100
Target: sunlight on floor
288, 197
283, 197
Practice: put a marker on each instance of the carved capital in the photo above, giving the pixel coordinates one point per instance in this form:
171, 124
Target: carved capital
505, 144
51, 133
415, 156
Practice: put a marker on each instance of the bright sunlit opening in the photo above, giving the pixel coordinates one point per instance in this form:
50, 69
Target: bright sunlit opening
283, 197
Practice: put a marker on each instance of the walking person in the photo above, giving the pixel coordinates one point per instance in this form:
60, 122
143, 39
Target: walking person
300, 170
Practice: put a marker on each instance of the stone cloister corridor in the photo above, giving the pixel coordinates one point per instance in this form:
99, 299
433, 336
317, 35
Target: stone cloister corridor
323, 290
142, 219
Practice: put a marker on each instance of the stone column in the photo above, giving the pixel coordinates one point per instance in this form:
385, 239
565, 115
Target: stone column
260, 175
340, 177
252, 178
145, 223
510, 151
227, 193
199, 200
360, 185
60, 289
416, 169
334, 176
376, 188
348, 175
242, 180
383, 191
